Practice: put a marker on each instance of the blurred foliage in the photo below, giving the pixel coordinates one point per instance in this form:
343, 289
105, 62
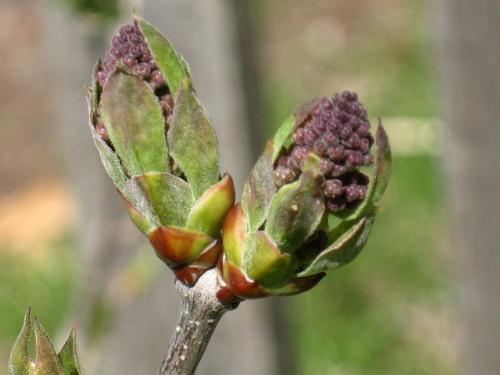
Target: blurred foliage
103, 10
43, 281
376, 315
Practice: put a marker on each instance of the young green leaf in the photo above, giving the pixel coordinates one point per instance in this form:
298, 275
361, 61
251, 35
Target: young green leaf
171, 197
193, 142
344, 249
69, 356
47, 362
19, 362
169, 61
209, 210
295, 213
258, 190
135, 123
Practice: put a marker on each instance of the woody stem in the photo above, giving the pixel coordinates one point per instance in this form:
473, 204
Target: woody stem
199, 315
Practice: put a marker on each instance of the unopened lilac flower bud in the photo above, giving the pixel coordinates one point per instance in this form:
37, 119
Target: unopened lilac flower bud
333, 188
159, 147
341, 118
142, 70
101, 130
307, 206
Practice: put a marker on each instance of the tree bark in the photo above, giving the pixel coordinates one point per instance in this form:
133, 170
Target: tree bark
471, 81
199, 315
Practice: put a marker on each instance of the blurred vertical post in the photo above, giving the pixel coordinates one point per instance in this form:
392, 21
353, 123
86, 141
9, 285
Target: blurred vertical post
138, 330
471, 76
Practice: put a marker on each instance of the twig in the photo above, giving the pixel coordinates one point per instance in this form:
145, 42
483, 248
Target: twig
199, 315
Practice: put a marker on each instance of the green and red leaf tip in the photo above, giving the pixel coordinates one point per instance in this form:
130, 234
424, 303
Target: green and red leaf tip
46, 361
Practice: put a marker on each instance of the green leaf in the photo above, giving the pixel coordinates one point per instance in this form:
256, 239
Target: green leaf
384, 162
193, 142
297, 285
233, 235
209, 210
283, 136
258, 190
138, 218
170, 63
110, 161
19, 362
47, 362
69, 356
264, 263
295, 213
381, 175
93, 94
140, 210
352, 237
135, 124
170, 197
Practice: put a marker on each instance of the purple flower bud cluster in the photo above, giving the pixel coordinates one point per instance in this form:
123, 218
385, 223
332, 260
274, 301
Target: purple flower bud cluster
338, 131
130, 51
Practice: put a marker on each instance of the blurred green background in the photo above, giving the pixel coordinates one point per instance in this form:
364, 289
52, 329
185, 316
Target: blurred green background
390, 312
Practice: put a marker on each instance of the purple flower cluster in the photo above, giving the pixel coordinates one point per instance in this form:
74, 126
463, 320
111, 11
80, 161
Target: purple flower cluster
337, 131
130, 51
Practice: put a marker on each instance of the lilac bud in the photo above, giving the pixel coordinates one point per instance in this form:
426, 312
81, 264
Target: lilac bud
284, 175
116, 52
136, 50
298, 155
333, 188
298, 137
101, 130
330, 138
354, 141
338, 170
363, 130
167, 104
364, 145
130, 61
126, 29
336, 153
337, 131
309, 136
320, 147
326, 166
345, 132
142, 70
130, 51
146, 55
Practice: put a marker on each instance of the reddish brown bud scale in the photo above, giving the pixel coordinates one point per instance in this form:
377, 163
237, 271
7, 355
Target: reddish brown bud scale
189, 274
337, 131
240, 285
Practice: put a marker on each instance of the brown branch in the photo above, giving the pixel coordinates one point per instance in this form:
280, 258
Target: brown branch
199, 315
